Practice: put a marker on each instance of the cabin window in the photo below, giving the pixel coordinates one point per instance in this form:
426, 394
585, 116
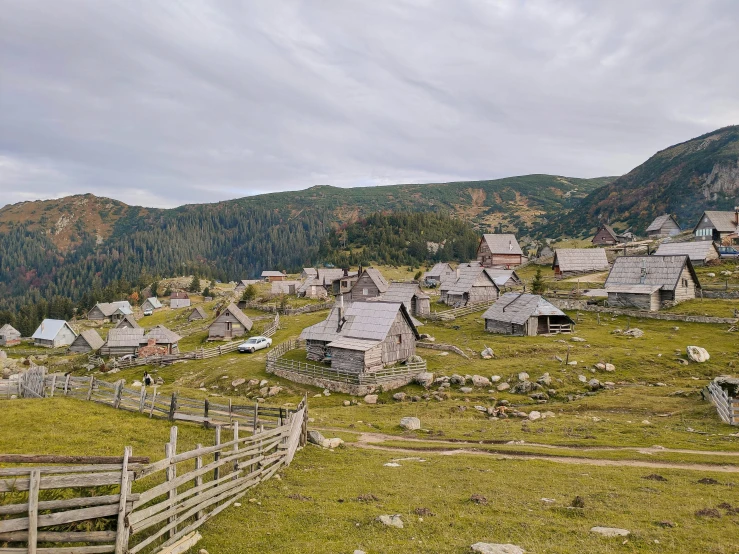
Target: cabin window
365, 292
399, 339
685, 283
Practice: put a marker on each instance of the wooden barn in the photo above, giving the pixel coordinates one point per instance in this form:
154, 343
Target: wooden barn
571, 262
110, 311
123, 342
9, 335
365, 337
499, 250
606, 236
650, 282
700, 252
417, 302
197, 314
152, 304
271, 276
87, 341
439, 273
321, 285
504, 278
721, 227
369, 284
179, 299
472, 285
128, 322
526, 315
54, 333
229, 324
663, 226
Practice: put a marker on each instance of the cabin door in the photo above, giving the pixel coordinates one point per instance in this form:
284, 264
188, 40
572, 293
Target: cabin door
414, 305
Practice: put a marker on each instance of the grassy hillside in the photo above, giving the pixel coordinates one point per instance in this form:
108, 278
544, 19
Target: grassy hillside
684, 179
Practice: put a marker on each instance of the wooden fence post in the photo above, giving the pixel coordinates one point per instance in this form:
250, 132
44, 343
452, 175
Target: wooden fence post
170, 451
172, 406
33, 489
53, 385
199, 478
217, 456
236, 446
256, 417
121, 536
117, 394
153, 399
89, 391
142, 398
206, 406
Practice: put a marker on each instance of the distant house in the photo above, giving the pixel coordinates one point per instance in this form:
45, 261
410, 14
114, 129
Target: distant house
179, 299
151, 304
87, 341
241, 285
363, 338
721, 227
525, 315
499, 250
123, 341
321, 285
439, 273
128, 322
663, 226
308, 272
197, 313
271, 276
570, 262
507, 278
699, 252
606, 236
369, 284
285, 287
650, 282
472, 285
54, 333
417, 302
546, 252
344, 284
9, 335
110, 311
164, 339
230, 323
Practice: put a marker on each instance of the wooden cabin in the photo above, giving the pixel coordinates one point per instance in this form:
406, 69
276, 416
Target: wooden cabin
308, 273
439, 273
229, 324
110, 311
499, 250
720, 227
128, 322
87, 341
369, 284
123, 341
285, 287
526, 315
364, 337
606, 236
322, 284
164, 339
504, 278
9, 335
271, 276
700, 252
241, 285
650, 282
417, 302
572, 262
152, 304
54, 333
179, 299
472, 285
663, 226
197, 314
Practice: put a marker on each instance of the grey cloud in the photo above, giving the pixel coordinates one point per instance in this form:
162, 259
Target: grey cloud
161, 103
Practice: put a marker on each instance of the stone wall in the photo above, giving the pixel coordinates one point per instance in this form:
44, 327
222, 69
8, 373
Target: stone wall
338, 386
445, 347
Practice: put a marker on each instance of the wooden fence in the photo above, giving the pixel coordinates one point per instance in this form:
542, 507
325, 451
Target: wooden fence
459, 312
727, 407
129, 505
275, 361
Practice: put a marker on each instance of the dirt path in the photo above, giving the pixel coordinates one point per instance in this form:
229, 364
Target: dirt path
553, 458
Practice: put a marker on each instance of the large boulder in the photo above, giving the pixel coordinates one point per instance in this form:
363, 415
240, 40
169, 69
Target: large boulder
503, 386
399, 396
457, 380
391, 521
523, 376
425, 379
491, 548
370, 399
697, 354
317, 438
410, 423
480, 381
545, 379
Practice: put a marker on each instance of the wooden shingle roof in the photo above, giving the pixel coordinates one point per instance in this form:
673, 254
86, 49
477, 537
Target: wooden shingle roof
92, 338
125, 337
697, 251
467, 278
377, 278
663, 271
723, 222
517, 308
240, 316
162, 335
502, 243
657, 224
130, 320
580, 259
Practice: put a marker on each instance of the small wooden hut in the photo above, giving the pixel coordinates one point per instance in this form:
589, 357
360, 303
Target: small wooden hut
151, 304
439, 273
229, 324
128, 322
499, 250
472, 285
504, 278
417, 302
123, 341
87, 341
110, 311
369, 284
9, 335
525, 315
700, 252
197, 314
179, 299
271, 276
663, 226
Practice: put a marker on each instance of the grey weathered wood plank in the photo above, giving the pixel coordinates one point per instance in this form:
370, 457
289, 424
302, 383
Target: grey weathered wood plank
33, 490
82, 502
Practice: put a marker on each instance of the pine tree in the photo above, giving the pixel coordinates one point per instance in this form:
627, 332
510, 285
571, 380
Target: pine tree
537, 285
249, 294
194, 284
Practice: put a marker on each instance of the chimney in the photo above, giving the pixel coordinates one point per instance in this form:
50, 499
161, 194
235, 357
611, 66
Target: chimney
510, 245
643, 277
457, 270
340, 323
736, 216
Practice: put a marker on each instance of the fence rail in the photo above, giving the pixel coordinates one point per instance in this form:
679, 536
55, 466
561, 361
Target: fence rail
174, 496
459, 312
727, 407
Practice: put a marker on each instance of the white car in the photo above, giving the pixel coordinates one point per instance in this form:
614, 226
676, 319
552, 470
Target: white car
148, 312
254, 344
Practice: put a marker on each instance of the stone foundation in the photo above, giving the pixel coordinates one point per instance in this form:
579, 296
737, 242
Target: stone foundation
338, 386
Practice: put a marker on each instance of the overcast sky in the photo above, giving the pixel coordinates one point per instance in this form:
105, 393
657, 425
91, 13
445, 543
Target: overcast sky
162, 103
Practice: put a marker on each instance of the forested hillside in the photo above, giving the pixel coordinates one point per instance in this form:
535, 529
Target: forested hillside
79, 244
684, 180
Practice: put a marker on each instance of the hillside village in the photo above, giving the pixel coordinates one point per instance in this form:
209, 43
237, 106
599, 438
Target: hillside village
521, 354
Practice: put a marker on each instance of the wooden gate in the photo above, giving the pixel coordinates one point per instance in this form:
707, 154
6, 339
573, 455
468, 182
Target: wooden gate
32, 382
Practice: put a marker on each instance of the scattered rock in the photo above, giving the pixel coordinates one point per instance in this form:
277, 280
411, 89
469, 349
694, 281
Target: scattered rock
425, 379
654, 477
465, 390
495, 378
601, 366
274, 391
370, 399
410, 423
708, 512
399, 396
594, 384
610, 531
487, 354
391, 521
523, 376
635, 332
457, 380
545, 380
316, 438
237, 382
391, 464
582, 378
326, 392
479, 499
263, 383
136, 384
577, 339
610, 367
491, 548
253, 382
503, 386
423, 512
202, 551
708, 481
480, 381
534, 415
710, 274
572, 363
335, 442
698, 354
347, 403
